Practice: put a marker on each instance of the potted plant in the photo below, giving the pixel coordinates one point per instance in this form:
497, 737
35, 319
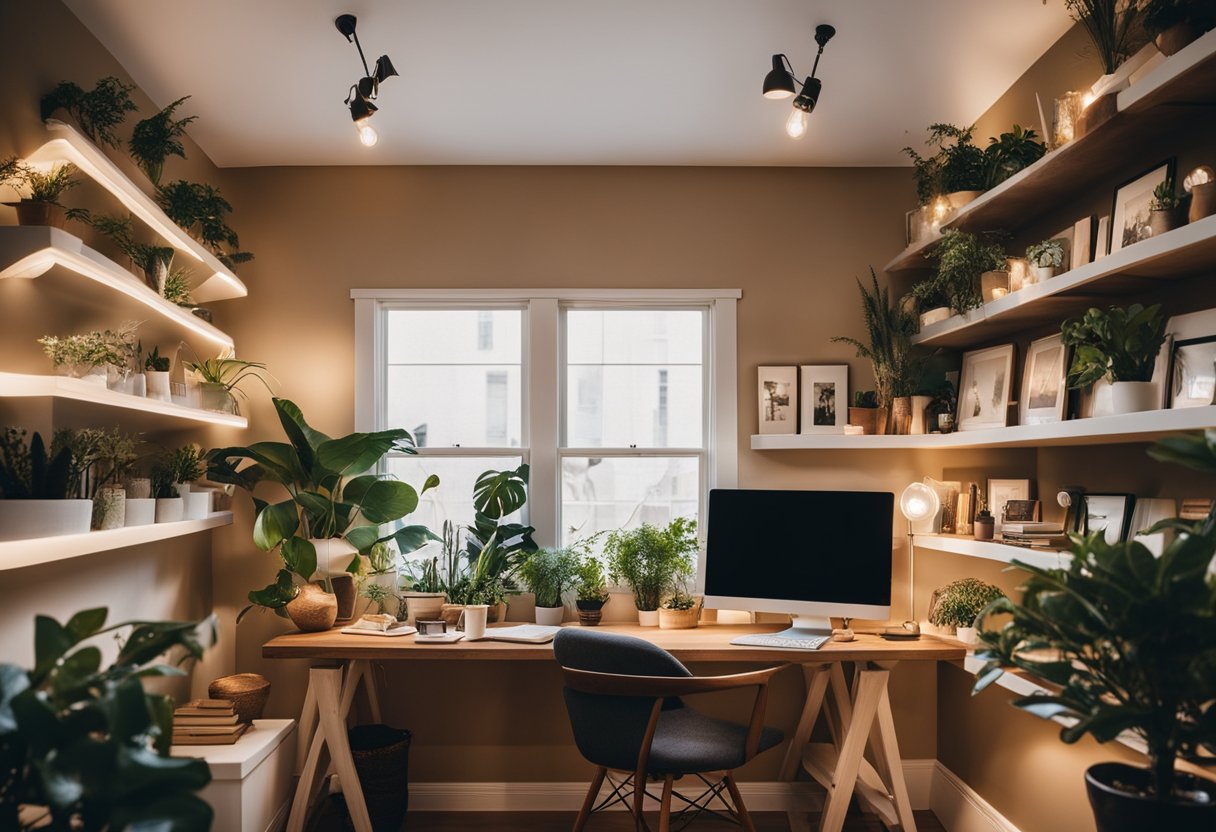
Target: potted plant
97, 111
1010, 153
1176, 23
41, 206
651, 561
156, 376
177, 288
379, 585
493, 546
1127, 643
87, 747
36, 487
864, 411
1166, 211
956, 605
961, 259
1121, 346
955, 171
680, 611
1115, 28
202, 211
425, 586
590, 590
895, 362
172, 474
79, 356
549, 573
157, 137
219, 381
123, 361
1045, 258
333, 509
151, 260
105, 457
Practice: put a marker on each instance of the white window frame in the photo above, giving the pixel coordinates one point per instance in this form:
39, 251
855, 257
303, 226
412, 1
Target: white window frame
542, 442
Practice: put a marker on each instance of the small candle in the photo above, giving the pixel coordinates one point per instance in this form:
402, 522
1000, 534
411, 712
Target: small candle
1017, 273
998, 292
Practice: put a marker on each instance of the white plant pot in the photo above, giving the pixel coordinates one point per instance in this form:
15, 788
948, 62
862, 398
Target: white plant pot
169, 509
422, 605
157, 385
26, 519
333, 555
1041, 274
648, 618
109, 508
931, 317
1133, 396
196, 505
139, 488
920, 404
139, 385
140, 511
967, 635
550, 616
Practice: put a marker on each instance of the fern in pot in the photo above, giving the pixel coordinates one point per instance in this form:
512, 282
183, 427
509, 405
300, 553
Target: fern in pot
40, 205
590, 590
958, 603
1120, 346
652, 562
549, 573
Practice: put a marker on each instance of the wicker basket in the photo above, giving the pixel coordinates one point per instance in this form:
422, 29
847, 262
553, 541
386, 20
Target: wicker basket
382, 760
247, 692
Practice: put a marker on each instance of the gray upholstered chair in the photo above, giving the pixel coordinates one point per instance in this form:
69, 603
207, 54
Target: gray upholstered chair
622, 696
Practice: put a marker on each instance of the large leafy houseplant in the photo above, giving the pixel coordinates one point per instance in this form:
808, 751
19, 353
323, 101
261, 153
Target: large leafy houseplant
1009, 153
1116, 344
329, 495
890, 327
1127, 639
651, 560
203, 211
961, 258
956, 165
86, 747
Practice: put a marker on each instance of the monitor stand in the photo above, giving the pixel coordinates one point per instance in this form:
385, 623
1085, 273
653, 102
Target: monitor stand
806, 626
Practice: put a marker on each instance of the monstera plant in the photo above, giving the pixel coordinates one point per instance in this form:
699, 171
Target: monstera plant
82, 747
330, 494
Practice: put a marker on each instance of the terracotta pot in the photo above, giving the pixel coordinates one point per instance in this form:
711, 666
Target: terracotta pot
1162, 222
450, 613
881, 421
901, 415
1175, 38
313, 609
866, 418
347, 594
40, 213
1203, 201
679, 619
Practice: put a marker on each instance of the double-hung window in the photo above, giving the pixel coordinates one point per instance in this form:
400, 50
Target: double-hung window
621, 402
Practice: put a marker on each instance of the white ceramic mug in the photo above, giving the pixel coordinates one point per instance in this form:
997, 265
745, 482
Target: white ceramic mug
473, 621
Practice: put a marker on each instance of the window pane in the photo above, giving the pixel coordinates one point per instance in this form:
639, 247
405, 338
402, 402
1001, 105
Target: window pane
634, 377
453, 499
453, 376
600, 493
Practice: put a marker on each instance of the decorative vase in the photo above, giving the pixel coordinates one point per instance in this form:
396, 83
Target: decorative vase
313, 609
139, 511
216, 397
109, 508
1163, 221
1133, 396
28, 519
196, 505
247, 692
346, 593
1203, 201
424, 606
157, 383
967, 635
139, 488
1176, 38
919, 423
120, 380
169, 509
497, 612
679, 619
901, 415
1040, 274
1117, 795
934, 315
590, 611
865, 418
550, 616
958, 199
648, 618
30, 212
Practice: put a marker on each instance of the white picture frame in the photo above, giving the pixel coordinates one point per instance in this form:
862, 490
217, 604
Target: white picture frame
985, 387
824, 390
1083, 242
1102, 243
1002, 491
777, 393
1110, 514
1131, 210
1044, 398
1193, 333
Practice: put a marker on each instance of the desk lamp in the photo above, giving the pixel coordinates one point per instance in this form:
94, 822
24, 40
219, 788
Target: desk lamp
917, 502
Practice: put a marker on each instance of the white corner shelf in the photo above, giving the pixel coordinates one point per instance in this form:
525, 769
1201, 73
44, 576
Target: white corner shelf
1101, 430
92, 402
1181, 253
70, 145
15, 554
41, 252
992, 550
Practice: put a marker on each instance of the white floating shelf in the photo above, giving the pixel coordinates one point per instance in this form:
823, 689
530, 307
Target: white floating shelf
15, 554
97, 402
1183, 252
1102, 430
70, 145
29, 252
992, 550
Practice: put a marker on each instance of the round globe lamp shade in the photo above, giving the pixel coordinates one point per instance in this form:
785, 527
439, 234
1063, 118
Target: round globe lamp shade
919, 502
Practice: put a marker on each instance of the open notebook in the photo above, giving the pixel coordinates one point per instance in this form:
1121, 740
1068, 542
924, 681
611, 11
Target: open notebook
527, 633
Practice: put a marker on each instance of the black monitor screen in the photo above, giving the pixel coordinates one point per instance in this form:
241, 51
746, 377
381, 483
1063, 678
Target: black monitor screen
826, 547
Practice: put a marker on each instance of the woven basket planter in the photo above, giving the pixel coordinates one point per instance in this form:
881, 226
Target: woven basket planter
247, 692
382, 759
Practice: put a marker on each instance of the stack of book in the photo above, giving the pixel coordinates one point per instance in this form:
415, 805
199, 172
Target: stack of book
207, 722
1038, 534
1195, 509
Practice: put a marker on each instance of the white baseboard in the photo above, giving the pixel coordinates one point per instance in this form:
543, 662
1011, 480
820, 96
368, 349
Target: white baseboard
960, 807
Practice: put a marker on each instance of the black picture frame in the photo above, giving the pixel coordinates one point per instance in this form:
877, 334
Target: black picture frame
1170, 166
1125, 521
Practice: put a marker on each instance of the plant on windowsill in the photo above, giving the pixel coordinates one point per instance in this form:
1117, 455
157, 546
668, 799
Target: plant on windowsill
961, 259
1128, 642
1044, 259
158, 137
97, 111
41, 206
549, 573
680, 611
591, 589
1119, 345
88, 748
652, 562
36, 488
381, 579
1167, 211
957, 604
333, 512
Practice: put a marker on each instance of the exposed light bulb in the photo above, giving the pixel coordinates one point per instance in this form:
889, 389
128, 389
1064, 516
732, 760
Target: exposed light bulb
367, 133
795, 125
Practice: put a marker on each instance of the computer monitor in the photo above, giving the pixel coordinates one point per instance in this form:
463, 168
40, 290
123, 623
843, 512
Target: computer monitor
812, 554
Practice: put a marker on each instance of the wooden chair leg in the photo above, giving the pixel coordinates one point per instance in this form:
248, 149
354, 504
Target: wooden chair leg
589, 802
665, 805
745, 820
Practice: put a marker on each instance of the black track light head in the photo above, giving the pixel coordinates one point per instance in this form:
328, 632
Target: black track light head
359, 100
779, 83
361, 108
809, 97
384, 69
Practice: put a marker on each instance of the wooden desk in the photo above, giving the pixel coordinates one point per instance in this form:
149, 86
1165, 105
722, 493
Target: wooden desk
857, 717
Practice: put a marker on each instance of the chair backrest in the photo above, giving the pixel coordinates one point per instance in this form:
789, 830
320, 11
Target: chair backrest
609, 729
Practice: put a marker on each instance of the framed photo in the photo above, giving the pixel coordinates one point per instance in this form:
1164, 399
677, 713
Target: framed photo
1102, 242
1065, 239
778, 394
1083, 242
1001, 492
1130, 215
1110, 514
1044, 382
983, 393
1185, 362
1023, 511
825, 398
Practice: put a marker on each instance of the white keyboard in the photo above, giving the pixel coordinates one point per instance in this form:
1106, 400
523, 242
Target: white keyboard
761, 640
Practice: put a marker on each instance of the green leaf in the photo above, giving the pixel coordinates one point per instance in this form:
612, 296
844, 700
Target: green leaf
86, 623
413, 538
13, 680
300, 555
363, 537
384, 501
275, 596
76, 670
151, 639
274, 524
357, 453
51, 642
161, 709
431, 482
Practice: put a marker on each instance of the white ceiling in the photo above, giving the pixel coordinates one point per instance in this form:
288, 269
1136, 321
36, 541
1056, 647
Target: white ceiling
571, 82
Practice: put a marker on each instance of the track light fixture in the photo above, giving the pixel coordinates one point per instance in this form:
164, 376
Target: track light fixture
781, 83
367, 88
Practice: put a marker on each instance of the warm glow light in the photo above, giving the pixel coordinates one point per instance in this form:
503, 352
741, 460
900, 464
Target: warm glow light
918, 502
795, 125
1201, 175
941, 209
1086, 100
367, 133
777, 95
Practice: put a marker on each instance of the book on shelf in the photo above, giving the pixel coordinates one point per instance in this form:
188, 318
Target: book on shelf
228, 738
186, 719
1195, 509
1036, 541
206, 708
1032, 527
